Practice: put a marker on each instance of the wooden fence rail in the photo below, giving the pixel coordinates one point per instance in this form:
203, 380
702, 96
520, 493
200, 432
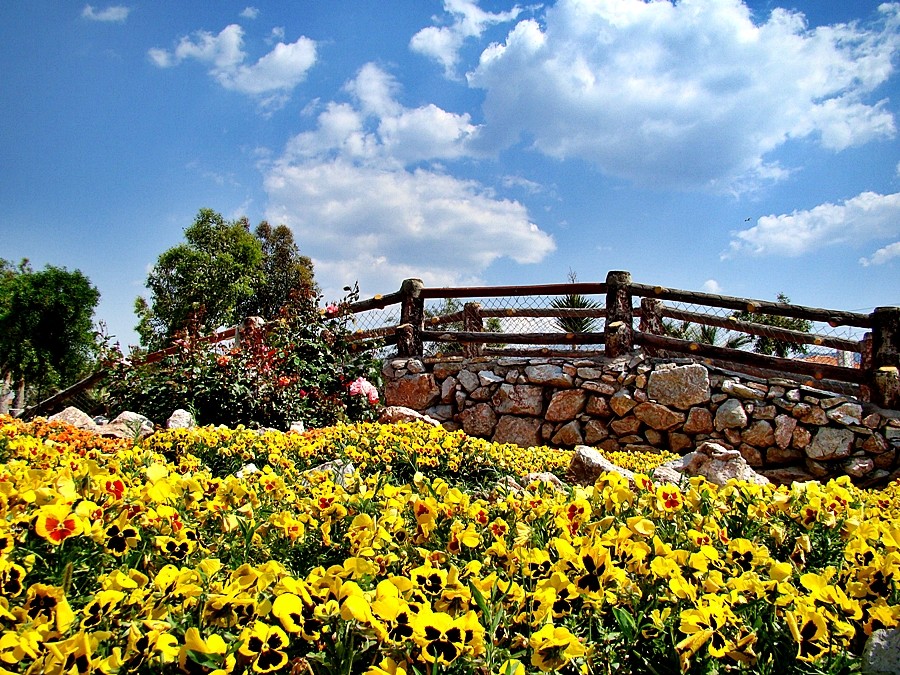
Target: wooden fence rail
876, 375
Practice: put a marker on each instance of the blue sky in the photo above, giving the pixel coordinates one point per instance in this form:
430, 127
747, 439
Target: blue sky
742, 148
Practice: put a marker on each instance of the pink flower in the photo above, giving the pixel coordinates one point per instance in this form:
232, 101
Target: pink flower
362, 387
331, 309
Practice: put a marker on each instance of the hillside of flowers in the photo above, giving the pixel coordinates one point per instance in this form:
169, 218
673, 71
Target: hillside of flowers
217, 550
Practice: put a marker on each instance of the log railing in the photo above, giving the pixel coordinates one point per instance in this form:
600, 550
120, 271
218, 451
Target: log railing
876, 377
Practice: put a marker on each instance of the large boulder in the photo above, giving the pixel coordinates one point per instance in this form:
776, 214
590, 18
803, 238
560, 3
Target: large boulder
76, 418
587, 464
181, 419
479, 420
396, 413
519, 399
680, 387
417, 391
881, 655
522, 431
128, 425
714, 462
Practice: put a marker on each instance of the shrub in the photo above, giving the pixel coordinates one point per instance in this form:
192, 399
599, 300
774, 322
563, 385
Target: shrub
300, 367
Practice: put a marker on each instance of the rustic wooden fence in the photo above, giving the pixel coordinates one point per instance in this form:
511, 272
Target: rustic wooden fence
625, 302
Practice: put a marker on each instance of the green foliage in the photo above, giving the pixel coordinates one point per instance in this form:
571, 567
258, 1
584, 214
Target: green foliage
299, 367
705, 334
453, 306
219, 275
284, 270
47, 336
575, 324
770, 346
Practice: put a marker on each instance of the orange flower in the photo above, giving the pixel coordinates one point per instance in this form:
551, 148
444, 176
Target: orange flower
56, 523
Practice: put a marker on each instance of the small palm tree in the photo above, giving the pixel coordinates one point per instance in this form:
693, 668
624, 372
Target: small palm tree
575, 324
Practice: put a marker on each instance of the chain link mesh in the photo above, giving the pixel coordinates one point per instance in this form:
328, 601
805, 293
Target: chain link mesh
531, 314
769, 340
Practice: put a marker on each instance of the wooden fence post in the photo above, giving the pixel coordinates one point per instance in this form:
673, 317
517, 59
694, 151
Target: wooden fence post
651, 322
619, 315
412, 314
472, 323
885, 370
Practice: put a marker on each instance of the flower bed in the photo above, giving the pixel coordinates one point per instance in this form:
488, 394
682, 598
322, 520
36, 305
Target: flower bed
175, 556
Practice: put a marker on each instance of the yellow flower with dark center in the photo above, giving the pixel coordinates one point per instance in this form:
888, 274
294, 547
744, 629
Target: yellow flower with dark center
553, 647
265, 645
430, 580
47, 605
121, 537
7, 541
56, 523
11, 577
703, 624
153, 645
102, 606
227, 611
15, 647
71, 656
391, 608
810, 632
440, 638
296, 612
197, 654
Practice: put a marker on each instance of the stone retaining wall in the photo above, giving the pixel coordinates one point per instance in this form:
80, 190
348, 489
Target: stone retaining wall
785, 430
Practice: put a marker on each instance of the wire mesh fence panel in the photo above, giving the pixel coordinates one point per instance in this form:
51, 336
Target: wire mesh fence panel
777, 335
374, 319
520, 315
817, 342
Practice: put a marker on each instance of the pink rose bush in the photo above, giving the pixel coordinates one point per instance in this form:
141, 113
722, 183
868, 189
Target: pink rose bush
362, 387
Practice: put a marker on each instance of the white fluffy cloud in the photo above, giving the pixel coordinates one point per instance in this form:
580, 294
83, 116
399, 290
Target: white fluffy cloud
442, 43
379, 128
866, 217
882, 255
363, 206
712, 286
691, 94
270, 79
249, 13
114, 13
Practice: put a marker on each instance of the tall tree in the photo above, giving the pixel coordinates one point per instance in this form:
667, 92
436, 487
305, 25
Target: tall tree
203, 279
221, 274
287, 275
47, 336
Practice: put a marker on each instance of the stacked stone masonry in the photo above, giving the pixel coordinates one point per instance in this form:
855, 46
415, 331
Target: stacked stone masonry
785, 430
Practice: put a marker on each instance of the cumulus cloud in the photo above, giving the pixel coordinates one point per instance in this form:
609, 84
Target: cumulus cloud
712, 286
868, 216
687, 94
270, 79
249, 13
379, 127
367, 204
468, 20
882, 255
114, 13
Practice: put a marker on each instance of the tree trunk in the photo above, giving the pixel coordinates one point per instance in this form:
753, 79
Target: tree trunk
19, 404
5, 389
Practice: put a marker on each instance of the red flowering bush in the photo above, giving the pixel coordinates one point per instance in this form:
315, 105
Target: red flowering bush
299, 367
